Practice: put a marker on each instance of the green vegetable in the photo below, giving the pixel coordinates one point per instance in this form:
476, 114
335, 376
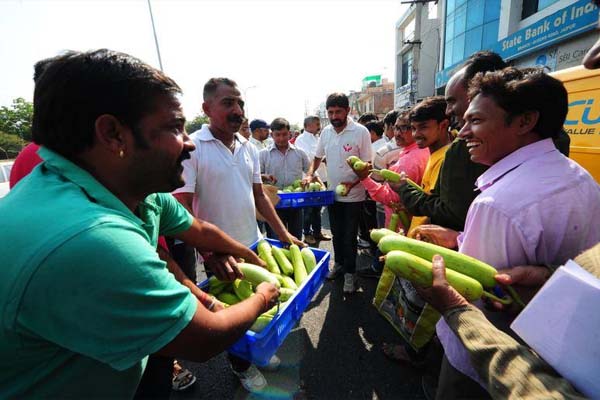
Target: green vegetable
242, 289
298, 265
310, 261
228, 298
478, 270
286, 252
377, 234
393, 225
261, 323
216, 286
359, 165
353, 159
256, 275
265, 253
285, 294
282, 261
341, 190
288, 282
419, 271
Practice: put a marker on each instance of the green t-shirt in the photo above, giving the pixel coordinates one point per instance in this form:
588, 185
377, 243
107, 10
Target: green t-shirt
84, 297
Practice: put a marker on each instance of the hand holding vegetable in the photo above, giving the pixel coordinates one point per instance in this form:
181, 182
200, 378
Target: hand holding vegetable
435, 234
527, 280
364, 172
441, 295
224, 267
270, 292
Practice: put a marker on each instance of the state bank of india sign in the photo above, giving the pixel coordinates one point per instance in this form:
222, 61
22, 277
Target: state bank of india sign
576, 18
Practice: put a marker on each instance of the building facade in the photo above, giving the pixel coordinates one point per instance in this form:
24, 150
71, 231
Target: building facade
554, 34
418, 38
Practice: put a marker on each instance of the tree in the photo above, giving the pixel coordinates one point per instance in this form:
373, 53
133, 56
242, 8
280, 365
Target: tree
16, 119
196, 123
10, 145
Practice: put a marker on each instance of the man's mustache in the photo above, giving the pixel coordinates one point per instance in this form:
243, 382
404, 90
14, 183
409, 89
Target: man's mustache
184, 156
236, 119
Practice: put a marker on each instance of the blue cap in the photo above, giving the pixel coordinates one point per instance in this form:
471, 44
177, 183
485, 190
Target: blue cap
257, 124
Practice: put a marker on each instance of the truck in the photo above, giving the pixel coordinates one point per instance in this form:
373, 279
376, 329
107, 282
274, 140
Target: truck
583, 119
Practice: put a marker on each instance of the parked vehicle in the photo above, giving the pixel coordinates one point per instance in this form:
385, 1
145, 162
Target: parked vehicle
5, 167
583, 121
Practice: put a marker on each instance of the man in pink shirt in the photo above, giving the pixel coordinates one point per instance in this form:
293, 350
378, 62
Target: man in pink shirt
411, 159
536, 206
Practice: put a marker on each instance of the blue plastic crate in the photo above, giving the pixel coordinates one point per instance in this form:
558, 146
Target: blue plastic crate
260, 347
305, 199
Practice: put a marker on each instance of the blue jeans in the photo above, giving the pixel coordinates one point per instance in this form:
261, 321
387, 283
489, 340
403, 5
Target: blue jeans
292, 220
312, 221
344, 219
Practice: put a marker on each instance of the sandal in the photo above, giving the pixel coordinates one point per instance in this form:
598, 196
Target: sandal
182, 377
397, 352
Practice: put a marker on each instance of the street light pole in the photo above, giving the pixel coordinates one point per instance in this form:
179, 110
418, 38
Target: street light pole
155, 37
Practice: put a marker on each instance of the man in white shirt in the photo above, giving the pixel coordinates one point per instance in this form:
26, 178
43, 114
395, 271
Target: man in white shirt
388, 154
223, 185
338, 141
260, 134
307, 141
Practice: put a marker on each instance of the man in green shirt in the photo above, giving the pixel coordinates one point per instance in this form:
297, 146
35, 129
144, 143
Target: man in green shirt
84, 297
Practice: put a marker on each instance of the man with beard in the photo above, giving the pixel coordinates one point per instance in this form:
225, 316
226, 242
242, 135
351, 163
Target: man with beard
223, 186
338, 141
84, 294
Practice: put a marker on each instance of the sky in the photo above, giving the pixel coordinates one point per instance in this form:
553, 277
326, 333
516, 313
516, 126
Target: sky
285, 55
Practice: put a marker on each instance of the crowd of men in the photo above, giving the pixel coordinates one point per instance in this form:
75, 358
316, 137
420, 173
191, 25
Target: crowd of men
88, 289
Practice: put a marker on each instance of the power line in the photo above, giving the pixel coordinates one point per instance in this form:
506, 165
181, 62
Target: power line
155, 37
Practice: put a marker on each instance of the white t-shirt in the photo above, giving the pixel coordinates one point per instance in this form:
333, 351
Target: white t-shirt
221, 182
379, 143
387, 154
354, 140
308, 142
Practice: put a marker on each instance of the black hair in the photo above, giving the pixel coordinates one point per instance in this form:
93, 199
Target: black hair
390, 118
280, 123
375, 126
337, 100
519, 91
430, 108
482, 61
210, 87
367, 117
73, 89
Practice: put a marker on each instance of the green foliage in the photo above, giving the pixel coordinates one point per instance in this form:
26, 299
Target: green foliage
16, 119
10, 145
295, 127
196, 123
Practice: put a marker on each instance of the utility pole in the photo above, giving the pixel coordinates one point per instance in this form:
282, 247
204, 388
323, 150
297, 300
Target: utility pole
155, 37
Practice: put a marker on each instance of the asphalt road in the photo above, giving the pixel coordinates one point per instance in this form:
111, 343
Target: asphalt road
333, 353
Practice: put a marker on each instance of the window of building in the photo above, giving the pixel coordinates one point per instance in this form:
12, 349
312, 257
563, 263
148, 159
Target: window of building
530, 7
409, 31
407, 64
471, 25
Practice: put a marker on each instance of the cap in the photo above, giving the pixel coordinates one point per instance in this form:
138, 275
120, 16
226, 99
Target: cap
257, 124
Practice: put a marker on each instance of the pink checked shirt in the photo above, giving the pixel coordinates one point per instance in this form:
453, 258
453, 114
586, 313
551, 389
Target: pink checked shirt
412, 161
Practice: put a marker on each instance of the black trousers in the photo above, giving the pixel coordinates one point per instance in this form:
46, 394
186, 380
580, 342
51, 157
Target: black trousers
344, 219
